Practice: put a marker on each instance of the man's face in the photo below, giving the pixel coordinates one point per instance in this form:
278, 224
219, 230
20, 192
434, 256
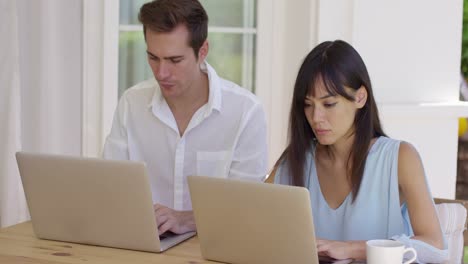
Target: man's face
173, 61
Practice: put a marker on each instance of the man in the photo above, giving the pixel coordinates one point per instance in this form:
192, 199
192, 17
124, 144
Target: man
187, 120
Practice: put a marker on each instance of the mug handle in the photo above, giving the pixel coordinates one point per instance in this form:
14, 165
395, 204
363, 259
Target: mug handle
414, 255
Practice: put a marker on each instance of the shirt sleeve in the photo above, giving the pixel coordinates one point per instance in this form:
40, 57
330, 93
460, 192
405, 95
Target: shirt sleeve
116, 144
425, 252
250, 157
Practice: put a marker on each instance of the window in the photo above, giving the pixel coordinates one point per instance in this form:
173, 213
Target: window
232, 37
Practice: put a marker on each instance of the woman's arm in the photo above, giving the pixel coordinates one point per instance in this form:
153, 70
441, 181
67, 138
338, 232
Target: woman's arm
415, 192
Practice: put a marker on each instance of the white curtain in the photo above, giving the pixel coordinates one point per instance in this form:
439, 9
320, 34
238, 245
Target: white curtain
40, 89
12, 202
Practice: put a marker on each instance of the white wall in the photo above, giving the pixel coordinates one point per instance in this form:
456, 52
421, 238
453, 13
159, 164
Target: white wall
412, 51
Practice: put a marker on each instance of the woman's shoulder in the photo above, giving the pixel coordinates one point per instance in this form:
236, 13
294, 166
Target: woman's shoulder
403, 148
408, 156
403, 155
282, 171
387, 141
385, 144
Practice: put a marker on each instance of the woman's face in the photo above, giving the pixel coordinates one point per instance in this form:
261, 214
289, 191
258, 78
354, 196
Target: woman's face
331, 117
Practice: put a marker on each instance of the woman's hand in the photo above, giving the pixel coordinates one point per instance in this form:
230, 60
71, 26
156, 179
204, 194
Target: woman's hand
341, 249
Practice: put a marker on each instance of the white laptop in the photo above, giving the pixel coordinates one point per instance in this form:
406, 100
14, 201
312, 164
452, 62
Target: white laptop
249, 222
92, 201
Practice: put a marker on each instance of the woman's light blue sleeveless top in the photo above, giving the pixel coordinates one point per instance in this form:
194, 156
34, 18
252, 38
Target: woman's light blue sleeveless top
375, 214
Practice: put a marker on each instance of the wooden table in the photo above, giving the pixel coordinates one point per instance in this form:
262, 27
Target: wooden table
19, 245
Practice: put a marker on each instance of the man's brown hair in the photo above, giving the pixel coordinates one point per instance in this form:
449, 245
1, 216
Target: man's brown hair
165, 15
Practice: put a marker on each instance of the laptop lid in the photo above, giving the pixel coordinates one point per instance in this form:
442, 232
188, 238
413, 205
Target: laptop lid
91, 201
252, 222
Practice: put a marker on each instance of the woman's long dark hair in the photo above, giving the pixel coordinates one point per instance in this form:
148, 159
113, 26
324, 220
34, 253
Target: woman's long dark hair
336, 64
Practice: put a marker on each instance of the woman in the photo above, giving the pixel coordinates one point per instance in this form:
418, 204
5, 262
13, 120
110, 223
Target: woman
363, 185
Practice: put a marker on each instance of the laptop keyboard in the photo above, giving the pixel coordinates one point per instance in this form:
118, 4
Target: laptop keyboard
167, 234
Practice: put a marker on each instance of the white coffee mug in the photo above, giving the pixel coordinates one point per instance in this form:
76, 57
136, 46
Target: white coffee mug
386, 251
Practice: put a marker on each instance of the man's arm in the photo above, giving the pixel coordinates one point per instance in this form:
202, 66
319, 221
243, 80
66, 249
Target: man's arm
250, 157
116, 145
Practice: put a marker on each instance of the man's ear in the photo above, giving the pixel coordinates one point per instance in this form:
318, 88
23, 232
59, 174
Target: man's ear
203, 51
361, 97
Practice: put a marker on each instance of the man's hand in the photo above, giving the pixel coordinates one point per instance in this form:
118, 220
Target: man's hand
178, 222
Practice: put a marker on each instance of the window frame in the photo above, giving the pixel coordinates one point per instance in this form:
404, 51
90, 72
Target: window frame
100, 73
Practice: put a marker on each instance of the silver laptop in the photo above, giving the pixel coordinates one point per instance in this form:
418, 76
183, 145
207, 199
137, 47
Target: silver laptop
92, 201
252, 222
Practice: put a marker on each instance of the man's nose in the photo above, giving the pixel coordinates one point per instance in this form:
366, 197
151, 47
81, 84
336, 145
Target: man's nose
162, 71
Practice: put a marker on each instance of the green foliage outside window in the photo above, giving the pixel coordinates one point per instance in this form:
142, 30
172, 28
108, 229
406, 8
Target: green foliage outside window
464, 55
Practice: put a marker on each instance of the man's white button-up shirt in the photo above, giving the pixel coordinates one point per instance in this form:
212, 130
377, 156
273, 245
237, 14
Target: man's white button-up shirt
226, 137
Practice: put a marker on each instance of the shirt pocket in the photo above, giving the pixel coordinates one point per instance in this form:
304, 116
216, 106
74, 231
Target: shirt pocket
213, 163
